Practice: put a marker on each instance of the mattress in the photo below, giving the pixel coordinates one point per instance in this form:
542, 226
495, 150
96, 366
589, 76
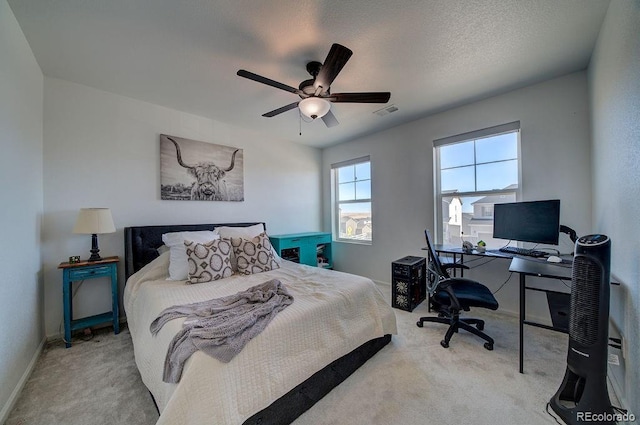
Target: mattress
333, 313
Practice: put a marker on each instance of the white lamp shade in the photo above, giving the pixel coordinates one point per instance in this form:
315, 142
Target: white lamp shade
94, 221
314, 107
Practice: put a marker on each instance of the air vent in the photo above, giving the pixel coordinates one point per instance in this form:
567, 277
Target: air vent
386, 110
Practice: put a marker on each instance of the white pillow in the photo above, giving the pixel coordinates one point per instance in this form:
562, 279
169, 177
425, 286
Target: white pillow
248, 232
178, 263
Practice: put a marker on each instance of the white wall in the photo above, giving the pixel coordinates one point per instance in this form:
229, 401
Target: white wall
20, 209
614, 82
555, 138
102, 150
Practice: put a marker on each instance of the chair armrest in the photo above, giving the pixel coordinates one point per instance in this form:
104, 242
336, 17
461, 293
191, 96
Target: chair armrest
454, 266
445, 285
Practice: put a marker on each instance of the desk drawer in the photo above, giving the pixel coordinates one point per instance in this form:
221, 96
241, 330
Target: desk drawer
286, 243
89, 272
319, 239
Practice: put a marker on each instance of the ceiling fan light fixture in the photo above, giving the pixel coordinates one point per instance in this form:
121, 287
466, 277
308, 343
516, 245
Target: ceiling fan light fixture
314, 107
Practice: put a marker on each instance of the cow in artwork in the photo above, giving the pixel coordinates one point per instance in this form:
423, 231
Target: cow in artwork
210, 184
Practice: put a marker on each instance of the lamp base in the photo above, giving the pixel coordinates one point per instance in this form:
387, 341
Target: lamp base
94, 249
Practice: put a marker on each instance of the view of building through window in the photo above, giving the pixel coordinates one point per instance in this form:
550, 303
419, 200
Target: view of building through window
472, 176
352, 198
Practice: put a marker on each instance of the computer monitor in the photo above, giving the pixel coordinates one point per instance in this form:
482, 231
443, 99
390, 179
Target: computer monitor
536, 221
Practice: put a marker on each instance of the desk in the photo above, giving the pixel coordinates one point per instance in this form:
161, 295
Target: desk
524, 267
456, 251
540, 269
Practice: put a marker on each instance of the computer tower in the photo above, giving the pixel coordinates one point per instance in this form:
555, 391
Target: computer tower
408, 282
583, 396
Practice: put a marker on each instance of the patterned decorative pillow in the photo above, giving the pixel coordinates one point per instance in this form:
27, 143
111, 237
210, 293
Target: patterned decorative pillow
254, 255
209, 260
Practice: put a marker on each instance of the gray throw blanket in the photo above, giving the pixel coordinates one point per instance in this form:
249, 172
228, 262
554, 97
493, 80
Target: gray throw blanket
220, 327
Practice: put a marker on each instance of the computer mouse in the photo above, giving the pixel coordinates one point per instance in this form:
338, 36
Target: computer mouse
554, 259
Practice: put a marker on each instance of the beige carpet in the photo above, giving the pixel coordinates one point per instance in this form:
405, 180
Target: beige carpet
411, 381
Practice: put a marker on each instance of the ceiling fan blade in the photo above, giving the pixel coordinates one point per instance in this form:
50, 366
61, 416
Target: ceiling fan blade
365, 97
333, 64
281, 110
330, 119
267, 81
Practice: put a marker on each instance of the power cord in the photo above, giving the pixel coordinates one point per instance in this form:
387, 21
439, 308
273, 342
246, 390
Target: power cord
623, 413
507, 244
552, 415
565, 283
504, 283
487, 261
473, 260
484, 259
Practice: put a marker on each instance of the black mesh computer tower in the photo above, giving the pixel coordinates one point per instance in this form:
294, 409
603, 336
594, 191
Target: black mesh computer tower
408, 284
583, 396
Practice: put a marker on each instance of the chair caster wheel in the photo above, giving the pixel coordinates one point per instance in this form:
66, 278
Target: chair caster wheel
488, 346
419, 324
480, 326
444, 343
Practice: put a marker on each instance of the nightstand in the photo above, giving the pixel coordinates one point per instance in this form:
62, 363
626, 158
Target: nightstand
74, 272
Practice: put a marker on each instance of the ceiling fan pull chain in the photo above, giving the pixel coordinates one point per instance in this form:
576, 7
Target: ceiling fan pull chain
300, 121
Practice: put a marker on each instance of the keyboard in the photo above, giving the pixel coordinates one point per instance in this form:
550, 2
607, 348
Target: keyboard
522, 251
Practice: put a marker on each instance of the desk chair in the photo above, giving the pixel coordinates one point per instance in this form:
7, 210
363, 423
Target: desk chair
449, 296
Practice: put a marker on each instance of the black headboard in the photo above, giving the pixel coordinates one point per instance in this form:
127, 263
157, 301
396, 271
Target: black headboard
141, 243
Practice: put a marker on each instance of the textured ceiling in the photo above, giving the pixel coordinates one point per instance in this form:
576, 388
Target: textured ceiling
431, 55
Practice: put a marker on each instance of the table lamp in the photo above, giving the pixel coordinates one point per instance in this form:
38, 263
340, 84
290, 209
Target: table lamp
94, 221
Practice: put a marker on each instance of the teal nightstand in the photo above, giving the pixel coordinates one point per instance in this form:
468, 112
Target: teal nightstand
72, 272
311, 248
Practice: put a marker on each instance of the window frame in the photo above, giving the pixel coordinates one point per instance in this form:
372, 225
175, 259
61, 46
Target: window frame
513, 127
335, 193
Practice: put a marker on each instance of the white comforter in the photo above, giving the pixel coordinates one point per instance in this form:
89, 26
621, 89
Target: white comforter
332, 314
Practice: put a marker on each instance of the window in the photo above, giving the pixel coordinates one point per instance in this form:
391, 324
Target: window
474, 171
352, 200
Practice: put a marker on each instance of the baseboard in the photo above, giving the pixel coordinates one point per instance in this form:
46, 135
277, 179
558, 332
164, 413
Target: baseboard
379, 282
4, 413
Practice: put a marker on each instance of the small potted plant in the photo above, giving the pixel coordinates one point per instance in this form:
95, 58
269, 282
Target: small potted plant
481, 247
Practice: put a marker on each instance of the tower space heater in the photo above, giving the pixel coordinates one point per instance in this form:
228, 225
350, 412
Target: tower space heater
583, 396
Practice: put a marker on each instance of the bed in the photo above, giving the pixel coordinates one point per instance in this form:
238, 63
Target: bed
336, 323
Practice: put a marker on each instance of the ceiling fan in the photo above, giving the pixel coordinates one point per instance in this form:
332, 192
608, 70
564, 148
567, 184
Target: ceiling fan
315, 93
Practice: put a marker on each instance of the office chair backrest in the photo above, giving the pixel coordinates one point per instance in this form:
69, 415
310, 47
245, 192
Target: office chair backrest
435, 265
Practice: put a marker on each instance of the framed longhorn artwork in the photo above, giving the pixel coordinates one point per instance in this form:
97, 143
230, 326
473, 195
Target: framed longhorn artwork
198, 171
